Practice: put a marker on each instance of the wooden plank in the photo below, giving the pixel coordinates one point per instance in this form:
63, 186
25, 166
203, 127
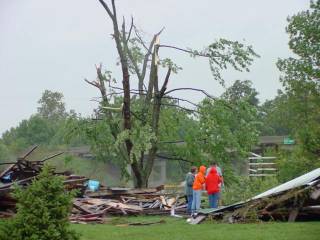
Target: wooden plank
261, 158
8, 185
255, 155
258, 164
267, 169
197, 219
7, 170
261, 175
80, 207
127, 207
29, 152
293, 215
171, 201
315, 194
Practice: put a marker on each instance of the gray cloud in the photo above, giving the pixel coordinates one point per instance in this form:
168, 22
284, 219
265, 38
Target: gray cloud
55, 44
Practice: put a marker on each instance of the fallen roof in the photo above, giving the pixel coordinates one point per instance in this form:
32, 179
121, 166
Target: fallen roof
294, 183
303, 180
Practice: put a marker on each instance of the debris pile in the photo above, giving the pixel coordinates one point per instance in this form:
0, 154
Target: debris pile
22, 172
123, 201
296, 200
90, 206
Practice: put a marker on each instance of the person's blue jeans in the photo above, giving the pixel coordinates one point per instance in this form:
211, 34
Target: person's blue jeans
189, 206
213, 200
196, 201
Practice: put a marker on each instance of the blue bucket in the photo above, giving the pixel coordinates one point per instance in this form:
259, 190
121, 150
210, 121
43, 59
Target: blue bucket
93, 185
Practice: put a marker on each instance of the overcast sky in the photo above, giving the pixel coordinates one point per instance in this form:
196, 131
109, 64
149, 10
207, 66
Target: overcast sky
46, 44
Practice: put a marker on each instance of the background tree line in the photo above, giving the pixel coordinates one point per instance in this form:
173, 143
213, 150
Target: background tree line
157, 124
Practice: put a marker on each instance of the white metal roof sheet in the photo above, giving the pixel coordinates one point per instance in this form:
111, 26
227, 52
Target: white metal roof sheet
297, 182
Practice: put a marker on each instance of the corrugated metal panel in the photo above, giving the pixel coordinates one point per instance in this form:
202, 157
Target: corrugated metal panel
297, 182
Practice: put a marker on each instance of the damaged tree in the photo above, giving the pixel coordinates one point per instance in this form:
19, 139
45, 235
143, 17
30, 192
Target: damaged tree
134, 126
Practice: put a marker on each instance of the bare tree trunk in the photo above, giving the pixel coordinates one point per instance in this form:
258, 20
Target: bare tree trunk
155, 124
141, 168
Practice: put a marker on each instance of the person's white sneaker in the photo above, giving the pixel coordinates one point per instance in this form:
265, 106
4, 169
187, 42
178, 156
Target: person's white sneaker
194, 215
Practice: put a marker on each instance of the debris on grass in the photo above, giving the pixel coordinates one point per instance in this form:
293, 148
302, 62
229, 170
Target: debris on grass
296, 200
91, 205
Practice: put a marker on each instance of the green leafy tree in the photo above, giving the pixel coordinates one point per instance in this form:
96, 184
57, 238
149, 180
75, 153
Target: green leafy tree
301, 74
47, 127
242, 90
133, 124
297, 109
51, 105
276, 116
4, 152
42, 211
229, 130
35, 130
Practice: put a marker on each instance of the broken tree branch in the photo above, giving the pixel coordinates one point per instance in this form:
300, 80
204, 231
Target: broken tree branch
106, 7
173, 158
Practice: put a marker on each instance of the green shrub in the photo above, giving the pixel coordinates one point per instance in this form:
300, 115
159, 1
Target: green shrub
245, 188
42, 211
295, 163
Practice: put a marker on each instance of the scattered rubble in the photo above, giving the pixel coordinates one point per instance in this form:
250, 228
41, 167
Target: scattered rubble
89, 206
22, 172
125, 202
298, 199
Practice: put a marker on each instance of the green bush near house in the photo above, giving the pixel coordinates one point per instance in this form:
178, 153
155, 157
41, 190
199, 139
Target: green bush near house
42, 211
244, 188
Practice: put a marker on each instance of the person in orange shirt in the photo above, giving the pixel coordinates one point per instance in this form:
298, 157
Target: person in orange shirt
198, 186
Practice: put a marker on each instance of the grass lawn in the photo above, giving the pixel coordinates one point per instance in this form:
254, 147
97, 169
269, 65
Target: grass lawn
174, 228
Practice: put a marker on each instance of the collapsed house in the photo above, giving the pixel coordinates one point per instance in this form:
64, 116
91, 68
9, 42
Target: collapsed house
298, 199
90, 205
295, 200
96, 206
22, 173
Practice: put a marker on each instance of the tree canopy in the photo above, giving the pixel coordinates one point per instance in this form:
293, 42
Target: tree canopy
131, 117
301, 74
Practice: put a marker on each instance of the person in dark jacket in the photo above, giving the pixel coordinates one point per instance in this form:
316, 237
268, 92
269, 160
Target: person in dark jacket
188, 187
213, 182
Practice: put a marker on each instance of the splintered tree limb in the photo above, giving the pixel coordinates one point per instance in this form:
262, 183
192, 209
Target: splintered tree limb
131, 57
124, 62
165, 83
136, 92
50, 157
173, 158
29, 152
152, 78
155, 110
156, 114
114, 9
184, 50
106, 7
182, 100
93, 83
178, 106
125, 71
100, 84
147, 55
192, 89
130, 30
